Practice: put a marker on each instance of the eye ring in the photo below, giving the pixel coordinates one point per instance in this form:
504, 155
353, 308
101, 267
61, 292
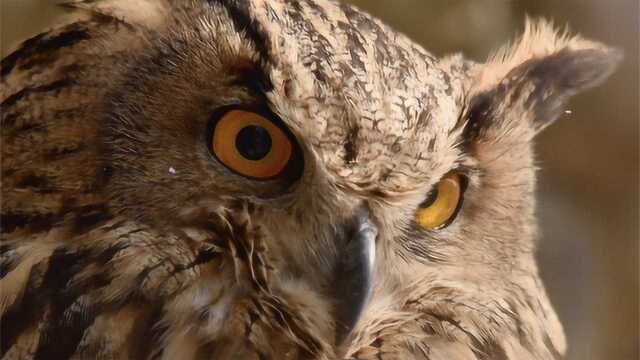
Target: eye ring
443, 203
253, 143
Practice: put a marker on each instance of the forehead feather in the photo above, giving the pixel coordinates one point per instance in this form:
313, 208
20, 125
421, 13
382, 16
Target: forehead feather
347, 82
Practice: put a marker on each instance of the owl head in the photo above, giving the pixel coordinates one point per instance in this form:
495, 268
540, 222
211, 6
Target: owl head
295, 179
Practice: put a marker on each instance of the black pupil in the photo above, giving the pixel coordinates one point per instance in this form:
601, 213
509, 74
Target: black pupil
253, 142
431, 198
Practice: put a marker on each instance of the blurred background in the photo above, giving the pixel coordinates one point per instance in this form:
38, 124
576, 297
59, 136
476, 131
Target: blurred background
589, 180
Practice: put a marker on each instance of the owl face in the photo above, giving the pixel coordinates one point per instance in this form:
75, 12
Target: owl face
311, 119
314, 113
370, 192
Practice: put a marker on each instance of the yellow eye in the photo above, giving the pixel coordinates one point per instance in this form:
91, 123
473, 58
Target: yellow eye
251, 145
440, 209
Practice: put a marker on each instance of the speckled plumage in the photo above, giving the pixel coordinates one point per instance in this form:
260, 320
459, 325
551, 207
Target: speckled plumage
122, 237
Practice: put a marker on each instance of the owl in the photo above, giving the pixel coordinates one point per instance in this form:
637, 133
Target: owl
274, 179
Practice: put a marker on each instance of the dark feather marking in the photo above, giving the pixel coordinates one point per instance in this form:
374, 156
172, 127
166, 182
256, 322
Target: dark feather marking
102, 178
7, 265
7, 119
286, 318
69, 321
206, 350
479, 117
26, 127
248, 326
350, 146
18, 121
5, 248
461, 122
90, 216
148, 334
26, 92
21, 315
116, 225
243, 22
203, 257
483, 348
145, 274
28, 47
38, 183
42, 44
86, 218
488, 349
34, 221
418, 250
58, 153
251, 76
73, 325
63, 265
8, 261
422, 252
107, 255
552, 349
37, 222
317, 10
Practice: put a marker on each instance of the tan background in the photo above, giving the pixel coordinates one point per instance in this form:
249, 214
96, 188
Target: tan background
590, 160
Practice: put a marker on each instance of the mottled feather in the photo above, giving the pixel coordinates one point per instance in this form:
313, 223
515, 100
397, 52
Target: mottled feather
123, 238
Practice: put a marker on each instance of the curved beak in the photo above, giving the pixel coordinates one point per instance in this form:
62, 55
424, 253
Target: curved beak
355, 273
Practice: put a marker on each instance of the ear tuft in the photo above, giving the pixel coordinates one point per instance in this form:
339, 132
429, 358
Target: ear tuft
576, 70
524, 87
539, 39
558, 77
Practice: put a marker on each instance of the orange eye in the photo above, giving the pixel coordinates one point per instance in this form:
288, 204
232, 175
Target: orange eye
251, 145
440, 209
